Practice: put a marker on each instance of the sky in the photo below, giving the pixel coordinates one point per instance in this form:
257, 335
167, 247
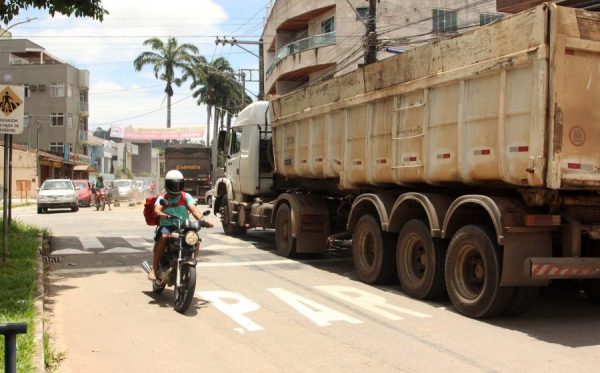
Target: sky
118, 94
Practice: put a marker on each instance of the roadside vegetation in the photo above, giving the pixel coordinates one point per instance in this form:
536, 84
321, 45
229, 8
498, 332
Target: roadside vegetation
18, 290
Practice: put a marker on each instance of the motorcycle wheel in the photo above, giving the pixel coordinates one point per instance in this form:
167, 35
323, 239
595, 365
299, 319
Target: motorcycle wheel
185, 292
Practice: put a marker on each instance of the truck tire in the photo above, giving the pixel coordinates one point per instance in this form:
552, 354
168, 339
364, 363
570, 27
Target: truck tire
285, 243
473, 274
230, 229
523, 298
591, 288
373, 252
420, 261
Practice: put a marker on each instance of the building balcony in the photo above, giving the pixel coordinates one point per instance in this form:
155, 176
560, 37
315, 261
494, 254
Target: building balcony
301, 45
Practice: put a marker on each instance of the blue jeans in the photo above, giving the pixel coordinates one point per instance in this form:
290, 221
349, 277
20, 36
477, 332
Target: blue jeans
161, 231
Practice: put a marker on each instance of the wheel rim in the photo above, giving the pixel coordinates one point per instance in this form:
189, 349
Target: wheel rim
415, 257
470, 273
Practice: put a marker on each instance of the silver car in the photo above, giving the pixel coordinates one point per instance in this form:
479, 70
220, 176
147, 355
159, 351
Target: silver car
129, 190
57, 194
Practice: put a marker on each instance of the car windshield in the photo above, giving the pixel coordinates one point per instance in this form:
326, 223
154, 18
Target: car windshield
57, 185
80, 184
123, 183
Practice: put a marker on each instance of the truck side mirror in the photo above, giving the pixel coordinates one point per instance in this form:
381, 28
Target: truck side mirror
221, 141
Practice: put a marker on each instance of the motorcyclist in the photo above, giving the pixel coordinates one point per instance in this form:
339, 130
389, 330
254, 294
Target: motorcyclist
99, 185
173, 189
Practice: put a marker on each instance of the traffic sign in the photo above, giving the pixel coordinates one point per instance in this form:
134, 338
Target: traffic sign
12, 109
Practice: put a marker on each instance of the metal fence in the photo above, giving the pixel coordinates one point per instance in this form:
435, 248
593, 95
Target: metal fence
301, 45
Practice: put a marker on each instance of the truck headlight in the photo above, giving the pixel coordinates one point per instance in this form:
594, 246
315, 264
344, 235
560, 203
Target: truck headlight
191, 238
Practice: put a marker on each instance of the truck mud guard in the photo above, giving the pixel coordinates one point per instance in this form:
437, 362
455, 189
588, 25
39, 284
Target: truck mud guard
414, 205
380, 203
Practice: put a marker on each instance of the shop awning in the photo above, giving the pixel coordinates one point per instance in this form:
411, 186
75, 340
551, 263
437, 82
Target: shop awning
84, 167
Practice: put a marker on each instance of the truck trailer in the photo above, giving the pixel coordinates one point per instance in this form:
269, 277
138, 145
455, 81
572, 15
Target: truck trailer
470, 165
194, 162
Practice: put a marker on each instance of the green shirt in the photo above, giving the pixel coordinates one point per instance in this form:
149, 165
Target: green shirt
173, 209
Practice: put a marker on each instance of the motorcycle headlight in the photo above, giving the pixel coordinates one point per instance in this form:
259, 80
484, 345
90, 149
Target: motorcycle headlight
191, 238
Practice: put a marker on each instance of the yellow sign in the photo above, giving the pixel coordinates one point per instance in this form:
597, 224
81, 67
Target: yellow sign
188, 167
12, 106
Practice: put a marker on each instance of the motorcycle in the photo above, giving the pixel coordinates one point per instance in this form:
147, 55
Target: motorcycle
178, 264
100, 198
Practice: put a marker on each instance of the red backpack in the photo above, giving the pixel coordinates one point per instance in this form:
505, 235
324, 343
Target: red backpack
150, 216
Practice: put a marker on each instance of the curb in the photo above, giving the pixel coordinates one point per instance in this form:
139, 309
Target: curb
38, 338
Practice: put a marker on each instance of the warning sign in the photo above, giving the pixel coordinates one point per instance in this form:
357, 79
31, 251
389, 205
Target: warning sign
12, 109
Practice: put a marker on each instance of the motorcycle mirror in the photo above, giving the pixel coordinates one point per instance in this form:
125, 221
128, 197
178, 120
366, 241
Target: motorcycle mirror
206, 213
164, 203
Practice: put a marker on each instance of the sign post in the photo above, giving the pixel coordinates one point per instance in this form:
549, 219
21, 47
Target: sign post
12, 111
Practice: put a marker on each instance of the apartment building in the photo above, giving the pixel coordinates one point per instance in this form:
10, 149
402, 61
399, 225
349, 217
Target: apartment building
56, 96
309, 40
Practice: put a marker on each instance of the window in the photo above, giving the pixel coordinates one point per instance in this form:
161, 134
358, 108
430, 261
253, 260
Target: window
27, 91
236, 141
444, 20
57, 119
57, 89
57, 147
70, 120
362, 12
485, 18
328, 25
69, 90
25, 120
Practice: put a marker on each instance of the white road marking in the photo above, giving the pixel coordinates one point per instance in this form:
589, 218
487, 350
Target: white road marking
215, 247
69, 252
235, 310
316, 312
91, 243
120, 250
244, 264
137, 241
369, 301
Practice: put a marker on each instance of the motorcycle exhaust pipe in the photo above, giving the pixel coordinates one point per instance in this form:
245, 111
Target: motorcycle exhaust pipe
146, 266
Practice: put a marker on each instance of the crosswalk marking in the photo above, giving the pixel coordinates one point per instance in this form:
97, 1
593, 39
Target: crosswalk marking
137, 241
69, 251
91, 243
120, 250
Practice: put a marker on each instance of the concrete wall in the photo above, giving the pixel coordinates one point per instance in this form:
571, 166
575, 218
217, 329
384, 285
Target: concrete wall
24, 168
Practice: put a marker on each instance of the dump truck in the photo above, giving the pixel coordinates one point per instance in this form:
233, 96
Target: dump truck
194, 162
469, 166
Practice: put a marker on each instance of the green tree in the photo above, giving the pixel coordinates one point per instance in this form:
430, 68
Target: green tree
215, 86
167, 58
80, 8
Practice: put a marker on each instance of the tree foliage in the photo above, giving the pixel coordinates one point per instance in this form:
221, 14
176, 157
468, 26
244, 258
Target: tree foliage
80, 8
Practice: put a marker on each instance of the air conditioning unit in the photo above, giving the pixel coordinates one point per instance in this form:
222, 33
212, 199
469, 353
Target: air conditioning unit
33, 87
41, 87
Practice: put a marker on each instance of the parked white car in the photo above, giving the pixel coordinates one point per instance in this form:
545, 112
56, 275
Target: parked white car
57, 194
129, 190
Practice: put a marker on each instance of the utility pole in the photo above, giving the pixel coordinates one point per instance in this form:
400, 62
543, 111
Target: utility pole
261, 64
371, 35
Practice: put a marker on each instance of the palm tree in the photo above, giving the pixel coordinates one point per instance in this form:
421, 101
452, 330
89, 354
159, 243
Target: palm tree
212, 85
167, 58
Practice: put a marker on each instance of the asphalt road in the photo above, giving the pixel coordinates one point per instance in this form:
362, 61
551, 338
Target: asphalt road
255, 311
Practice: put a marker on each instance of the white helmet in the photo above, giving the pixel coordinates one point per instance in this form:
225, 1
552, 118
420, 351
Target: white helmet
174, 182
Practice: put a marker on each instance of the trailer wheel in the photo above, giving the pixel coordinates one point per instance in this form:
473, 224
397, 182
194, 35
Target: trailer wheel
230, 229
420, 261
373, 252
591, 288
285, 243
523, 298
473, 274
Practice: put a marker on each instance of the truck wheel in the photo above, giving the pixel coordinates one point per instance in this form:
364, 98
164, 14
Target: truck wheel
523, 298
230, 229
373, 252
285, 243
473, 274
420, 261
591, 288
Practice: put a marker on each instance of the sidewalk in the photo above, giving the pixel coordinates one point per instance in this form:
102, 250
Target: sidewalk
19, 201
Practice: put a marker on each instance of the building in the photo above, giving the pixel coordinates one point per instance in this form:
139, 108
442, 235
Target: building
515, 6
56, 101
306, 41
